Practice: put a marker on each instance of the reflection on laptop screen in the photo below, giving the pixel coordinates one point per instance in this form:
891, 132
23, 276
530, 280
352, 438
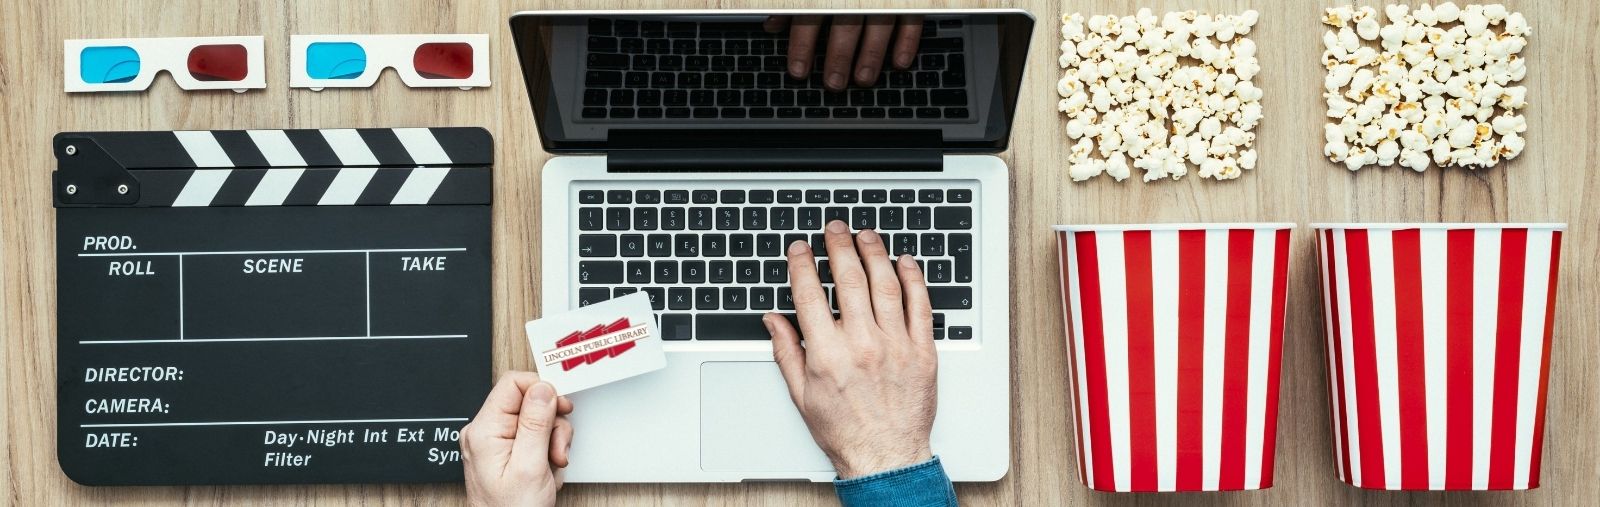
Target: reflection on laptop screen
590, 74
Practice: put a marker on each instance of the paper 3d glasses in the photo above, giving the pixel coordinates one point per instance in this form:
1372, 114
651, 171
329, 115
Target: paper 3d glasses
195, 63
316, 61
356, 61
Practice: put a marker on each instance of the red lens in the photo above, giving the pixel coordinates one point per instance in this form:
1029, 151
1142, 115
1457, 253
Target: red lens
219, 62
443, 60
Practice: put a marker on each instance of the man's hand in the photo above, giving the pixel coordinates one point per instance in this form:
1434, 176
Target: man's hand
846, 34
515, 446
864, 383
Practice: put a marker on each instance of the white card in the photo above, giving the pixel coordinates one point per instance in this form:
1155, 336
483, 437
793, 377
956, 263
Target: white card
597, 344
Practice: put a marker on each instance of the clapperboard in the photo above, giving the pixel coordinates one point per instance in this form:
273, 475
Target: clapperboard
270, 306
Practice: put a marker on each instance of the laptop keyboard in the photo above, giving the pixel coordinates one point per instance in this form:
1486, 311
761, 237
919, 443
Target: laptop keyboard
704, 70
712, 259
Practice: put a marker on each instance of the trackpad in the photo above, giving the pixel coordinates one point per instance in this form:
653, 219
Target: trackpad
748, 423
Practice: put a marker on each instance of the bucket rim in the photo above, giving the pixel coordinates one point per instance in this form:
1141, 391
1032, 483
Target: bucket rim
1172, 226
1557, 226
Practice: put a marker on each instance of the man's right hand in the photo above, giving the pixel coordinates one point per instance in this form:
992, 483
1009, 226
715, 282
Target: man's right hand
865, 382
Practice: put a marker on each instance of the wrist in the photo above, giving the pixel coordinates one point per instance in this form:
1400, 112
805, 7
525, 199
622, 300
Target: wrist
860, 464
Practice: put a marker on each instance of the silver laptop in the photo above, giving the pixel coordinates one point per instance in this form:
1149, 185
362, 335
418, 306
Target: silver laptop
688, 161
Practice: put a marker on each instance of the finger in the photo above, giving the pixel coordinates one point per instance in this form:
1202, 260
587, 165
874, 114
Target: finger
874, 44
498, 416
563, 405
561, 443
531, 450
775, 24
919, 312
803, 44
849, 280
810, 302
882, 282
786, 351
842, 39
906, 40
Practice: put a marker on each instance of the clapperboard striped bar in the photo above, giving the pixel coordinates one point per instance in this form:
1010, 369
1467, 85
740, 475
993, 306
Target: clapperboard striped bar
310, 167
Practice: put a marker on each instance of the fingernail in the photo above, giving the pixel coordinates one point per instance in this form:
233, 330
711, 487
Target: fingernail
868, 238
837, 226
835, 80
905, 261
902, 61
864, 76
542, 392
766, 320
798, 247
797, 70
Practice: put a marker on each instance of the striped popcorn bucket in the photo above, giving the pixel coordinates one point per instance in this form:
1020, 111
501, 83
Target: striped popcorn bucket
1174, 334
1438, 348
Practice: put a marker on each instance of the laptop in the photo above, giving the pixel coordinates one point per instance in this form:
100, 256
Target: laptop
687, 161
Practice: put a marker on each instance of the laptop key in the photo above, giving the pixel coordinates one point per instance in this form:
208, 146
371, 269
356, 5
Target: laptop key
706, 298
961, 249
676, 196
761, 298
672, 219
694, 272
719, 271
931, 195
728, 219
824, 272
949, 97
658, 297
947, 297
730, 326
632, 245
782, 219
747, 271
594, 112
903, 244
638, 272
789, 112
917, 218
688, 245
714, 245
864, 217
959, 195
700, 219
874, 196
775, 272
952, 217
785, 298
659, 245
591, 219
846, 196
591, 197
705, 196
600, 272
597, 245
818, 196
769, 245
619, 197
903, 195
741, 245
666, 272
839, 213
810, 218
891, 218
680, 298
901, 112
874, 112
734, 298
602, 44
938, 271
591, 295
617, 219
644, 219
755, 219
932, 244
595, 97
789, 196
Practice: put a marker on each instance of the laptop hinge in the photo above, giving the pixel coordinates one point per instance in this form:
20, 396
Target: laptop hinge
757, 150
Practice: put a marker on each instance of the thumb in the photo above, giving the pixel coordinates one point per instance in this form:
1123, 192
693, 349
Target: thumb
530, 452
788, 353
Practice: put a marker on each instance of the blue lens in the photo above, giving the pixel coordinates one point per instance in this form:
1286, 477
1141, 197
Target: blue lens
335, 60
108, 64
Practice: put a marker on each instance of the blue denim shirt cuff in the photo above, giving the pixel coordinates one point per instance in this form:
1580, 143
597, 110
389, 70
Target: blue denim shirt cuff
922, 484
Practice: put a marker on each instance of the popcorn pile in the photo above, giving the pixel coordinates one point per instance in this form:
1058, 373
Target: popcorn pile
1159, 94
1432, 93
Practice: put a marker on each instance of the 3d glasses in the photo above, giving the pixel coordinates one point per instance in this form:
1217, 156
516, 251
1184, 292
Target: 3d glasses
195, 63
356, 61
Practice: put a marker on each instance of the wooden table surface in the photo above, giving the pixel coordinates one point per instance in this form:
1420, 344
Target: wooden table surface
1550, 182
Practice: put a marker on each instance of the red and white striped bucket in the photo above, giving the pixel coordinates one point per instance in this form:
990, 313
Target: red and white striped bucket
1174, 334
1438, 347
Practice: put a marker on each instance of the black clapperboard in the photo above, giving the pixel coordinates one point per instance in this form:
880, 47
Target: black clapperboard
271, 306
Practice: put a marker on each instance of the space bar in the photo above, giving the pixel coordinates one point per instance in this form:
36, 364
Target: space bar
730, 326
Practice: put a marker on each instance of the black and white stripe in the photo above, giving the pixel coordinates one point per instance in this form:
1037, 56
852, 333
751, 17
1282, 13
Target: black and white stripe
321, 167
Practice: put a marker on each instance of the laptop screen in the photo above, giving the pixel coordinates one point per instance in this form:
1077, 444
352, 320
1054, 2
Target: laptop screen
603, 81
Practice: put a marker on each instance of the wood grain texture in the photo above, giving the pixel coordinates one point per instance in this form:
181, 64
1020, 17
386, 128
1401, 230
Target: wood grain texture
1552, 181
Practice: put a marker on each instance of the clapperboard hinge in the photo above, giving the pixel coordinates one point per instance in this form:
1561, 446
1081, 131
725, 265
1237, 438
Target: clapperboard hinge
304, 167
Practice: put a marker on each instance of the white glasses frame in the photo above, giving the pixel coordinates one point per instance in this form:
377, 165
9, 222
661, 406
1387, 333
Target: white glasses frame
169, 54
387, 51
